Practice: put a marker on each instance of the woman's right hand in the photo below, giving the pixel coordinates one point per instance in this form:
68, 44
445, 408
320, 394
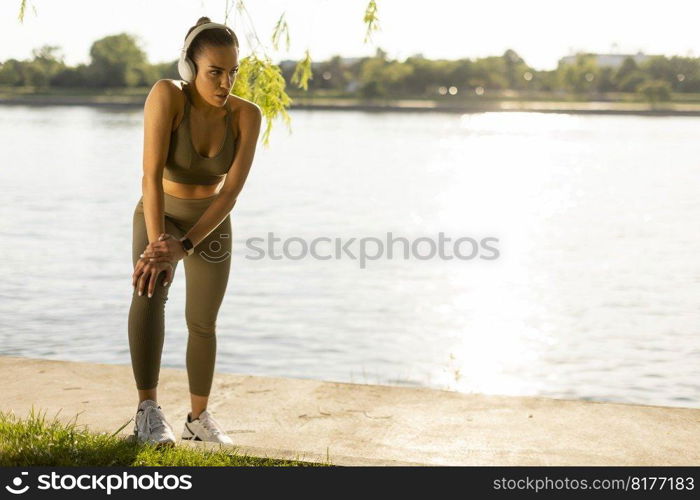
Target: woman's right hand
146, 275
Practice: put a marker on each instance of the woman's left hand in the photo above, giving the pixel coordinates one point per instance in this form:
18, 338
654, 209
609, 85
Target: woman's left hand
167, 249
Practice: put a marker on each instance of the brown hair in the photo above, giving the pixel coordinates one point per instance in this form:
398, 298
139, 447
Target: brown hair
218, 37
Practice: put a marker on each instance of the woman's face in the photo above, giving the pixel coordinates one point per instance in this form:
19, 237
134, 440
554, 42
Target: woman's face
217, 68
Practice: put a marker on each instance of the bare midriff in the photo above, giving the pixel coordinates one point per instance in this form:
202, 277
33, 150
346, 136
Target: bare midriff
190, 191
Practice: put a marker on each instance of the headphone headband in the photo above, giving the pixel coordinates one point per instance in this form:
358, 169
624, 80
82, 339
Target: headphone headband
198, 30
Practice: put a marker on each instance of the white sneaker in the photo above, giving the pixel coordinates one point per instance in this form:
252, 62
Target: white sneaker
204, 428
151, 425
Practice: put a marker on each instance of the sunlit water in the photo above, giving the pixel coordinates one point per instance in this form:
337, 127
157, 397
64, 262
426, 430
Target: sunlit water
594, 294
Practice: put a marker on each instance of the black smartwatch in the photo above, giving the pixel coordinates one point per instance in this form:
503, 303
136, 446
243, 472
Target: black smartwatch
187, 245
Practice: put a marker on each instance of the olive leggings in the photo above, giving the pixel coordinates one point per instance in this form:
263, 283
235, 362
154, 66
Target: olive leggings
206, 277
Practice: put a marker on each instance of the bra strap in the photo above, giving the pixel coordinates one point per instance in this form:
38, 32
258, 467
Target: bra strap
187, 99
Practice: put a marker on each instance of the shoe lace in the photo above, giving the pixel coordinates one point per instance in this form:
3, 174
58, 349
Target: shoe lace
153, 418
210, 424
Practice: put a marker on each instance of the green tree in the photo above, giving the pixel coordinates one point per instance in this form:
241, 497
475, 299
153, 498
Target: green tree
71, 77
515, 69
334, 75
372, 83
581, 76
655, 91
490, 72
624, 73
424, 75
47, 62
116, 61
459, 75
683, 73
37, 72
632, 81
606, 79
167, 70
11, 73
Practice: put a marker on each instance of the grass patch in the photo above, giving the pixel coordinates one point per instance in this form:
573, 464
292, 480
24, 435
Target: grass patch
37, 441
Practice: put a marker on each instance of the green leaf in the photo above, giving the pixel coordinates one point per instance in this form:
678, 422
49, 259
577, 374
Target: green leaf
280, 28
22, 8
371, 19
302, 72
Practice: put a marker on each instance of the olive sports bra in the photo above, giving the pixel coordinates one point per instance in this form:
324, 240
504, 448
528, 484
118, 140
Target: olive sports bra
185, 164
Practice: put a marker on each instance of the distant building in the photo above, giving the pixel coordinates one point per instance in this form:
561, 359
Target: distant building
345, 61
609, 60
287, 64
351, 60
352, 86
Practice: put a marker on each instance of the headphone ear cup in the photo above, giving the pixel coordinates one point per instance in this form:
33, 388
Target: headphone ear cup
186, 69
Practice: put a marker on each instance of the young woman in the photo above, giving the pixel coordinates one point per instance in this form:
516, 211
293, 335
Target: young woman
199, 144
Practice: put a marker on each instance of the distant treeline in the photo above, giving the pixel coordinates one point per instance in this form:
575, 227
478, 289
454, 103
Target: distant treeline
118, 61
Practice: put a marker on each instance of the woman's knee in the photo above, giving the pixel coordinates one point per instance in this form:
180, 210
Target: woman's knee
158, 299
201, 329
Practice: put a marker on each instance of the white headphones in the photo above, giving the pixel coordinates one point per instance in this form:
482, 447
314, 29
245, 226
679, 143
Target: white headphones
185, 66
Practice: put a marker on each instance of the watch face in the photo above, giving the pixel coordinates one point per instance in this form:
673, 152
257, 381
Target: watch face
187, 244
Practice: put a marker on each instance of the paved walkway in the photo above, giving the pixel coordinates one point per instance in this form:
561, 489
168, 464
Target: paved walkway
359, 424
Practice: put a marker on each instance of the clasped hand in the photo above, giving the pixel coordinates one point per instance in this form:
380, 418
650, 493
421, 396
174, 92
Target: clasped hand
158, 257
166, 249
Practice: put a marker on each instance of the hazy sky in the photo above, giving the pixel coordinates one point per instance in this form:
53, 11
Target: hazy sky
540, 31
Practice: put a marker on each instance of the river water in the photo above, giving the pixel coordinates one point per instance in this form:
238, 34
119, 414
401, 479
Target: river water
593, 293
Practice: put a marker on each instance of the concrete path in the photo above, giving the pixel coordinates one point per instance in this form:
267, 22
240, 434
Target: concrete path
359, 424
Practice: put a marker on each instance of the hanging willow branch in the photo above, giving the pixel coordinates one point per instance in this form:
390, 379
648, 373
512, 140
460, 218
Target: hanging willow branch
22, 10
261, 81
302, 72
371, 19
280, 28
